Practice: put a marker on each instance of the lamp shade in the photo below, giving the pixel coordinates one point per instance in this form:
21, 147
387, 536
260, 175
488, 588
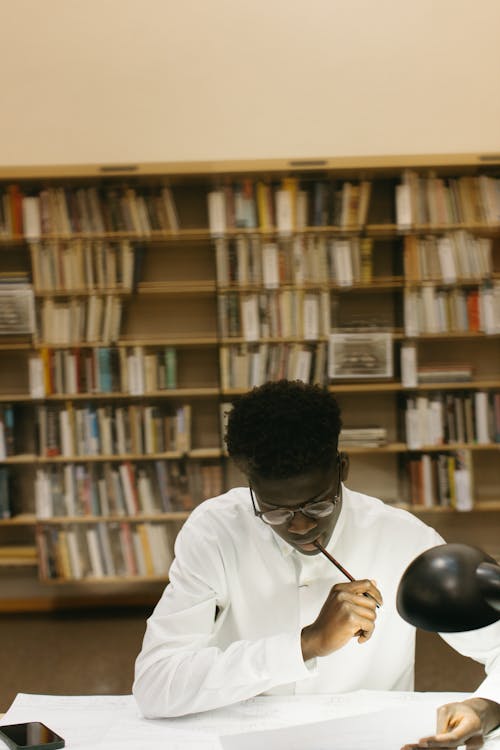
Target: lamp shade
450, 588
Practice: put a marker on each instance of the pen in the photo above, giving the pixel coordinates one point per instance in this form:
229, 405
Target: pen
341, 568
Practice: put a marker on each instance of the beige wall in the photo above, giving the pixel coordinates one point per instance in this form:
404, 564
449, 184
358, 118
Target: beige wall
164, 80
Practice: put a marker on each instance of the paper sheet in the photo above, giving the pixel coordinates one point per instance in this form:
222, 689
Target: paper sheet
380, 730
81, 720
270, 712
113, 722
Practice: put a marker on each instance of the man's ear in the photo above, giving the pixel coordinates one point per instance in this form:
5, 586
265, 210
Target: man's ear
344, 465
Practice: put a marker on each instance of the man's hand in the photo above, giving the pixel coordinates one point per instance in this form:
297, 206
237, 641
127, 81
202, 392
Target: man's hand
462, 723
346, 613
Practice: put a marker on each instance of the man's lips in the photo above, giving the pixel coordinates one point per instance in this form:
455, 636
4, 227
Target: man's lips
304, 542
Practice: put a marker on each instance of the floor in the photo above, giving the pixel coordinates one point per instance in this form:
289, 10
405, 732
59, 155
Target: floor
69, 652
93, 653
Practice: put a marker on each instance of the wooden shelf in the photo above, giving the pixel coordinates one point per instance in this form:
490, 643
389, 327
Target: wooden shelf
19, 460
403, 448
115, 292
16, 398
22, 519
143, 288
187, 341
390, 165
106, 580
163, 394
198, 453
227, 340
454, 336
203, 234
177, 287
466, 281
457, 446
492, 230
211, 453
6, 345
492, 506
186, 235
140, 518
382, 284
18, 557
393, 387
468, 385
338, 388
12, 241
144, 341
209, 392
366, 449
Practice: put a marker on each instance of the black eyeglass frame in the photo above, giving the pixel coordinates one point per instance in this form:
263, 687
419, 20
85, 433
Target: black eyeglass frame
303, 507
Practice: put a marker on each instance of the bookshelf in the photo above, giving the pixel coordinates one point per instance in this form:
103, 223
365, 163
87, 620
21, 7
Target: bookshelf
160, 292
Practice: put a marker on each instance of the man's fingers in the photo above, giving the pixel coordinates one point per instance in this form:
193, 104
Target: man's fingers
363, 621
364, 605
363, 587
444, 741
458, 725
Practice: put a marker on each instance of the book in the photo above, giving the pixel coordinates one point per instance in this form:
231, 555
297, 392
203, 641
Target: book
31, 217
284, 211
481, 417
5, 494
404, 218
7, 431
366, 255
17, 309
250, 317
265, 206
445, 372
366, 436
216, 212
464, 500
270, 265
408, 356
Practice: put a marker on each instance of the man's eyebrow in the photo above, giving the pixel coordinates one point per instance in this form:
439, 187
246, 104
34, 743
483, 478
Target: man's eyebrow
315, 498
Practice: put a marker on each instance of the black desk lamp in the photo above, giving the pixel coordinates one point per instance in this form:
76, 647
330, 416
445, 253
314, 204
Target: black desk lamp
450, 588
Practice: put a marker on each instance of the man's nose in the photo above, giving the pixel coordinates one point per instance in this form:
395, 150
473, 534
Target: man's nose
301, 524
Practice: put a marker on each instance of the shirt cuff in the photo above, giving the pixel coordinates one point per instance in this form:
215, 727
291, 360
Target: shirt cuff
489, 689
284, 658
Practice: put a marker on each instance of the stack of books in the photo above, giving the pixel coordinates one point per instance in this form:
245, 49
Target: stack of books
366, 437
445, 373
17, 308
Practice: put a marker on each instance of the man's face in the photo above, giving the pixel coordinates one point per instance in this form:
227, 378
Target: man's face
301, 531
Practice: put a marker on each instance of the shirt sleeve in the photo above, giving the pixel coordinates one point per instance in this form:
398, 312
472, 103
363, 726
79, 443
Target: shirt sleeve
483, 645
180, 669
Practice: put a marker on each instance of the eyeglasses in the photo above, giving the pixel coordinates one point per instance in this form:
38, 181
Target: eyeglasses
312, 509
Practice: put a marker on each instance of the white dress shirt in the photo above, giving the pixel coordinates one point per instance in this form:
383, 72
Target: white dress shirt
228, 625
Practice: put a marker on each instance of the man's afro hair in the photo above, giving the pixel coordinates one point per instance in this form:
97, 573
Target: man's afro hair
283, 429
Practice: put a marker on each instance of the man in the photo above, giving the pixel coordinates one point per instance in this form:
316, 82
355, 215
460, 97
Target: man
253, 605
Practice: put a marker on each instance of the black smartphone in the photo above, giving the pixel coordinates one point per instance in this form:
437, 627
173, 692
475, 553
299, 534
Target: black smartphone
30, 736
